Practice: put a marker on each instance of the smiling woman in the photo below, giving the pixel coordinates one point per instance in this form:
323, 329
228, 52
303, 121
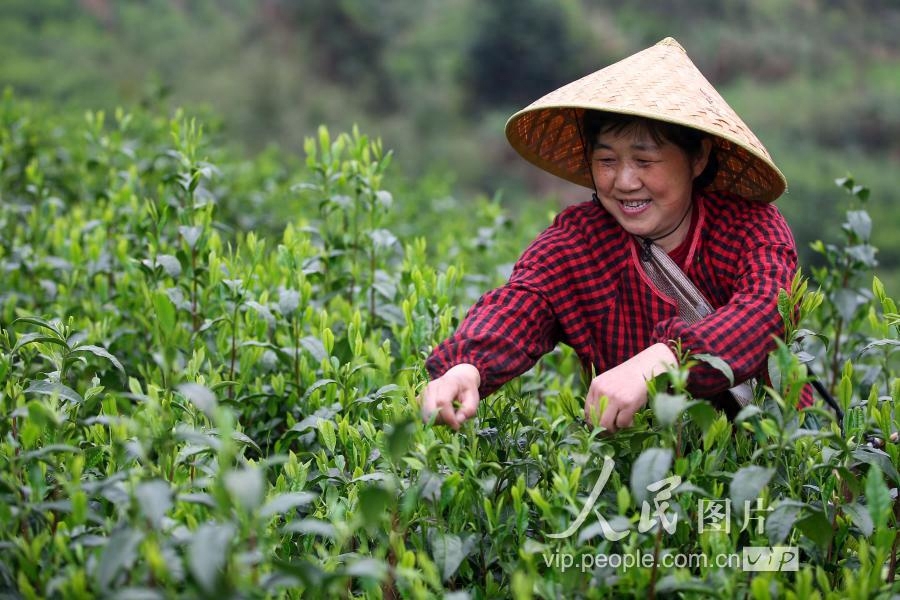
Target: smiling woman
644, 180
679, 248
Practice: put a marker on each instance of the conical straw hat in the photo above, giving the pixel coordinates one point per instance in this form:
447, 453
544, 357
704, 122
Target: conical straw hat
659, 83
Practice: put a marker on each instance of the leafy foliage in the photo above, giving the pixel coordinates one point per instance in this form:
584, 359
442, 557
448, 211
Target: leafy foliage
191, 409
435, 79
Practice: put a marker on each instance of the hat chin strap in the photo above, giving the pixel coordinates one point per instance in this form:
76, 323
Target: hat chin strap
647, 242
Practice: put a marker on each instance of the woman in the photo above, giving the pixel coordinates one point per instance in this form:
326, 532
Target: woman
675, 172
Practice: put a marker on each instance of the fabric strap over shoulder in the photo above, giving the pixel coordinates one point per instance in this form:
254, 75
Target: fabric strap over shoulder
692, 305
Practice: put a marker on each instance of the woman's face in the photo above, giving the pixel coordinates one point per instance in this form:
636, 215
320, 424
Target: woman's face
644, 184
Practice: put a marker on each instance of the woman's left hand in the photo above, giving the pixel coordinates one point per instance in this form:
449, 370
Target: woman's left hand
625, 387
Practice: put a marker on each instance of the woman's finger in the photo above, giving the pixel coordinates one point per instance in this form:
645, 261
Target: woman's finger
468, 405
429, 404
608, 419
446, 414
624, 418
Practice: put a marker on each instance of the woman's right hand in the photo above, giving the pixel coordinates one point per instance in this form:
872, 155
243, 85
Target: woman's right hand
459, 385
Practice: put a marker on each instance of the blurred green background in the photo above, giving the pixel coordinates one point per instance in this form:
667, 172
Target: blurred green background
817, 80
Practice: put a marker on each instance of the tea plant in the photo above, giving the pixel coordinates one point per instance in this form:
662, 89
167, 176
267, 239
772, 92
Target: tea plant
189, 408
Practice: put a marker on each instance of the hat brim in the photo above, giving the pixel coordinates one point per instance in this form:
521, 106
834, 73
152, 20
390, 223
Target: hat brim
659, 83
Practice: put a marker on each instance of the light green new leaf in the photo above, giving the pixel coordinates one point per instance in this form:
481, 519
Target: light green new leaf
327, 432
878, 497
165, 313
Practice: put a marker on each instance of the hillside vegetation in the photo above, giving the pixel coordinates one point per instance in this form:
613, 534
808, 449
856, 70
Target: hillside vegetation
818, 80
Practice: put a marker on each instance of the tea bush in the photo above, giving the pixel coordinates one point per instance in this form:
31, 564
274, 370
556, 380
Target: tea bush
191, 409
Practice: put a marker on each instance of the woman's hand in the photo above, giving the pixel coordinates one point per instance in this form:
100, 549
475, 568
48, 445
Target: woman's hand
625, 387
459, 385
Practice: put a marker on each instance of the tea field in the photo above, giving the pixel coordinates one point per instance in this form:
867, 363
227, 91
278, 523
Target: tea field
192, 406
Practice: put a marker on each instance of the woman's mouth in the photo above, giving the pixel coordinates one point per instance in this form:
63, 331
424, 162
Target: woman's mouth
634, 206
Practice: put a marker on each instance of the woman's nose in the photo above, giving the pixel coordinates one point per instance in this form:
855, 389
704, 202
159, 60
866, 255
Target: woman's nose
627, 178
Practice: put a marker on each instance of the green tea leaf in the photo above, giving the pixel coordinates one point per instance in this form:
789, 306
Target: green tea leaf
101, 352
120, 553
208, 553
46, 451
38, 338
191, 235
878, 497
367, 567
860, 223
315, 347
746, 486
200, 396
875, 456
448, 551
650, 467
155, 499
398, 439
282, 503
164, 312
327, 433
48, 388
817, 528
51, 325
781, 520
42, 415
668, 407
860, 516
374, 502
718, 364
134, 593
243, 438
315, 386
311, 527
246, 485
670, 584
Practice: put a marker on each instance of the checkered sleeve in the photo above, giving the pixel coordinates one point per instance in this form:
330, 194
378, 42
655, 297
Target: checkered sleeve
510, 328
742, 331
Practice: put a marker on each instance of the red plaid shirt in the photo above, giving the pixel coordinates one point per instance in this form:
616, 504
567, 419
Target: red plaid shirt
581, 283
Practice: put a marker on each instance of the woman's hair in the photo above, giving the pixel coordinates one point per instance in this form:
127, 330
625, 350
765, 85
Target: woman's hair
688, 139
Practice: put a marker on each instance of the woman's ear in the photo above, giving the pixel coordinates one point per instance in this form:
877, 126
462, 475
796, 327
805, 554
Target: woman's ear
702, 157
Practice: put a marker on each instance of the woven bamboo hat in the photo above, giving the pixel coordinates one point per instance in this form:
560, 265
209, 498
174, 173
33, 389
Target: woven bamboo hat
659, 83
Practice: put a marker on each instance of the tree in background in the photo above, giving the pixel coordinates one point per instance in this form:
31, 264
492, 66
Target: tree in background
522, 49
